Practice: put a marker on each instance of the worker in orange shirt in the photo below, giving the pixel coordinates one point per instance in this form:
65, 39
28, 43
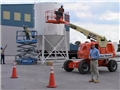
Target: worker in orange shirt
59, 13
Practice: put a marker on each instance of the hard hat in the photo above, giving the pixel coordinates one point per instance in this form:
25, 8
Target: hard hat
24, 26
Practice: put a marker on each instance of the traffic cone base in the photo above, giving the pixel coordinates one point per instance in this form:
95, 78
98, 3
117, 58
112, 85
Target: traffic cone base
51, 86
14, 77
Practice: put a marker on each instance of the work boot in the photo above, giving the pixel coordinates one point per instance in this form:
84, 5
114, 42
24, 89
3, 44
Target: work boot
96, 81
92, 80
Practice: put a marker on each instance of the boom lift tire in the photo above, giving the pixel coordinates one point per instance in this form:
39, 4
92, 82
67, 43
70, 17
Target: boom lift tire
66, 66
84, 67
112, 65
70, 57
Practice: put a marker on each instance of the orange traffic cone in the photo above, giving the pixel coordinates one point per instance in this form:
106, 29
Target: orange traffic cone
52, 82
14, 72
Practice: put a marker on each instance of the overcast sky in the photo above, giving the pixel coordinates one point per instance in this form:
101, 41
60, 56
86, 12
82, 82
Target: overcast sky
95, 15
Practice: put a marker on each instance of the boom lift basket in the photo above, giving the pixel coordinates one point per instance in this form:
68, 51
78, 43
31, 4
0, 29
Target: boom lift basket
50, 17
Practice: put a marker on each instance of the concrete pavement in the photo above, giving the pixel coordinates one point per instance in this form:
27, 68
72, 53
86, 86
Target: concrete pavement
36, 77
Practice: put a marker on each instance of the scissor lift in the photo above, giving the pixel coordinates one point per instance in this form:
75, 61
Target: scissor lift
26, 48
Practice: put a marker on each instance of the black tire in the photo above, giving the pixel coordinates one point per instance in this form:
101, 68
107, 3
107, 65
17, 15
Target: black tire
76, 57
70, 57
66, 64
84, 67
112, 65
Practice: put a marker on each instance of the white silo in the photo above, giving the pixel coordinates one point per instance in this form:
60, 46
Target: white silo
50, 35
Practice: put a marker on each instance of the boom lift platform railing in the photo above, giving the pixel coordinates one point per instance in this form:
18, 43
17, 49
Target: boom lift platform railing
26, 48
50, 17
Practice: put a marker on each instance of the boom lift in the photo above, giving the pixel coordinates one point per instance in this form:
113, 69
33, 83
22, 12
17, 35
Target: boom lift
107, 49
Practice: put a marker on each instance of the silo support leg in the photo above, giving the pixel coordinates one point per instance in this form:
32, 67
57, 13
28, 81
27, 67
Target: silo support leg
43, 44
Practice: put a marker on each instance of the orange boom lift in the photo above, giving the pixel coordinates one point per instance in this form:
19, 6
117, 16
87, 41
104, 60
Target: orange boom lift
107, 49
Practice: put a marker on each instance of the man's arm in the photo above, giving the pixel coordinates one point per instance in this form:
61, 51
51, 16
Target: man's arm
90, 55
5, 47
63, 10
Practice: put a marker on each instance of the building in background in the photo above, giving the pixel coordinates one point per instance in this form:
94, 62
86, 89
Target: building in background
13, 17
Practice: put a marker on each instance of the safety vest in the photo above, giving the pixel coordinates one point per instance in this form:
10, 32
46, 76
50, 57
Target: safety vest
26, 30
2, 52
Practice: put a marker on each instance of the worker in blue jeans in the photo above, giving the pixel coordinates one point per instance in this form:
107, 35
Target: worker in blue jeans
2, 55
94, 56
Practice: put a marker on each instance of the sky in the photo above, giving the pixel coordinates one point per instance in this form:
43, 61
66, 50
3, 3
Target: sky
99, 16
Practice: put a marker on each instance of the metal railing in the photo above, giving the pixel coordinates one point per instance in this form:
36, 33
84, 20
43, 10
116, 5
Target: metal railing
21, 35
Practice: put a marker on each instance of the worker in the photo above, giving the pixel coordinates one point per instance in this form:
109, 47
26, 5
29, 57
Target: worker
61, 10
26, 32
94, 56
59, 13
2, 55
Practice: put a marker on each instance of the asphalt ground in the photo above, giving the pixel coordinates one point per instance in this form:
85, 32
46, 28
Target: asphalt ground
36, 77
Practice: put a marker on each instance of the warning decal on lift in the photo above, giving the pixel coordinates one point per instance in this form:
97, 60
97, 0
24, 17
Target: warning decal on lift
106, 55
27, 61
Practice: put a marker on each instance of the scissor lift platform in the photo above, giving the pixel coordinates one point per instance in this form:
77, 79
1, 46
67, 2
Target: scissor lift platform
26, 41
26, 48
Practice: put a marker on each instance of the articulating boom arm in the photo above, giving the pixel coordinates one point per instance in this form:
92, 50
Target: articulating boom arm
102, 41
